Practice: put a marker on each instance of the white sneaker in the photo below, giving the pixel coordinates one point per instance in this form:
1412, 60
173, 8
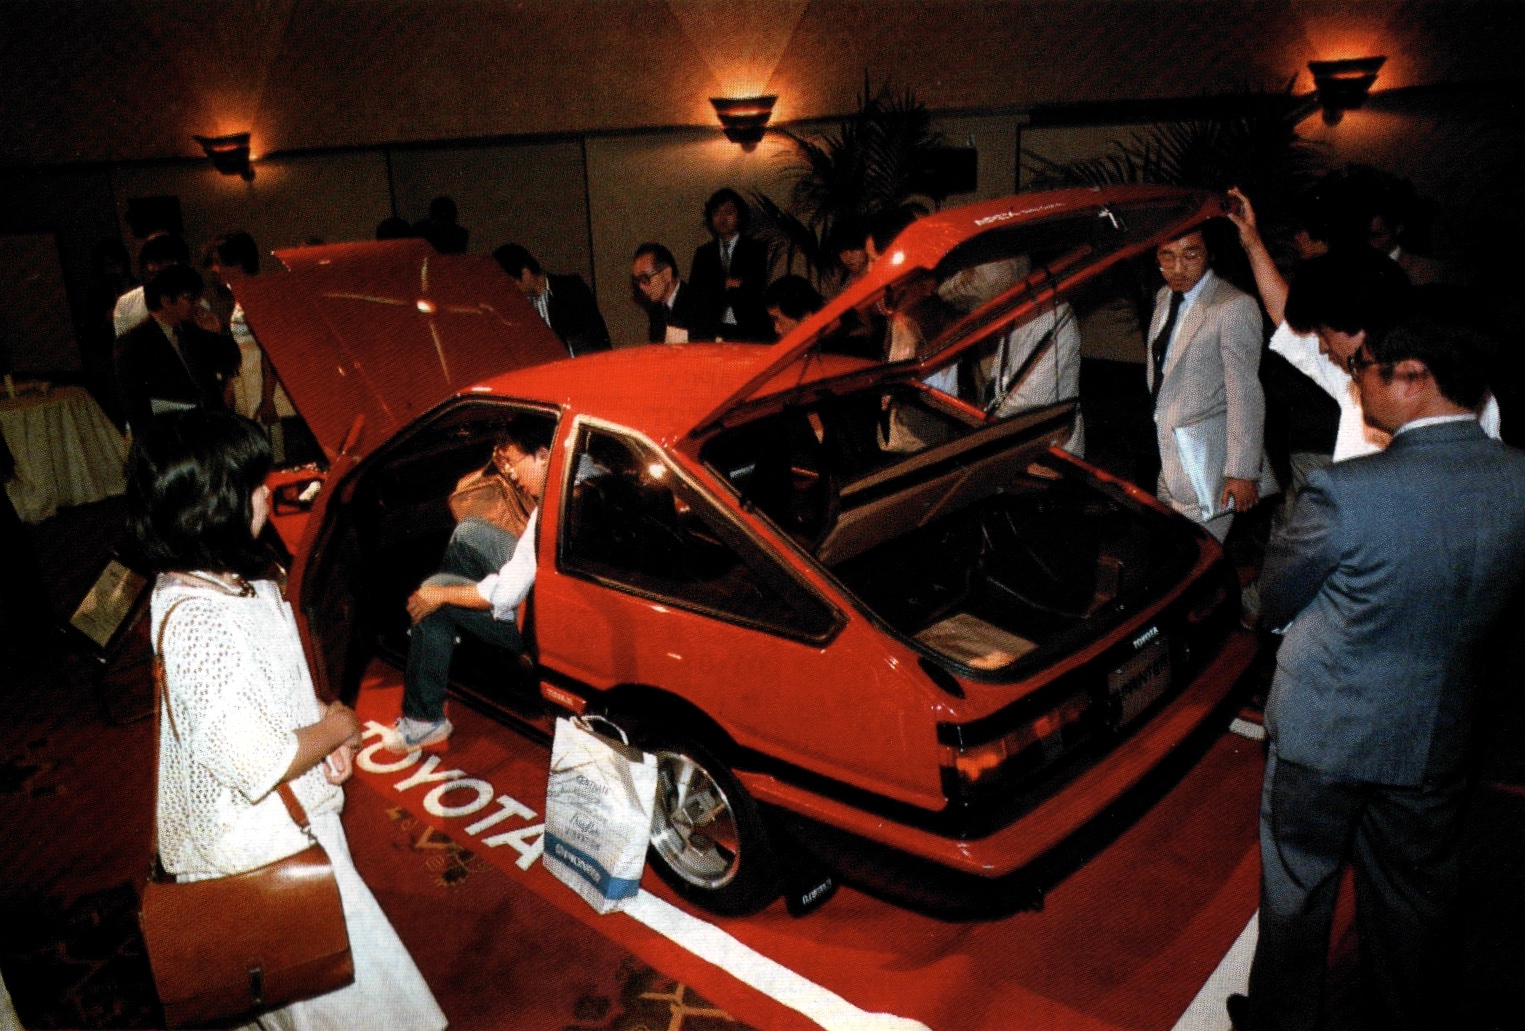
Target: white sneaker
409, 735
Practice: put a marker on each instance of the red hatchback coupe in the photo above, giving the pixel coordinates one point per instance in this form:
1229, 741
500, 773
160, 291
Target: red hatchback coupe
846, 596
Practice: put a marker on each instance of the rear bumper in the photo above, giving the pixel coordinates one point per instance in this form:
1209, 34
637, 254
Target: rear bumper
1047, 825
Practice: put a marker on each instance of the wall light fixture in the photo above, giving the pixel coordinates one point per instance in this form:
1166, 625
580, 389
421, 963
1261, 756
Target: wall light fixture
1343, 85
744, 119
229, 154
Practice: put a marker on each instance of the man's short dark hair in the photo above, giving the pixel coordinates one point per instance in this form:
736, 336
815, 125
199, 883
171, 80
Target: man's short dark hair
793, 296
721, 196
1433, 334
659, 254
847, 234
514, 259
238, 249
883, 227
443, 209
190, 479
528, 433
1351, 291
175, 281
164, 249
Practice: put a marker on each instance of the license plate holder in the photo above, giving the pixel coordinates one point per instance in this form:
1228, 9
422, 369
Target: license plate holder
1138, 683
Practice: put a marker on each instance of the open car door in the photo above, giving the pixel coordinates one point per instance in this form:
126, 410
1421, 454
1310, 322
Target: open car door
321, 598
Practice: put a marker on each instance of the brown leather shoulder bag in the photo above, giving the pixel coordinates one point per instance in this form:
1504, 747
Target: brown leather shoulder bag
232, 947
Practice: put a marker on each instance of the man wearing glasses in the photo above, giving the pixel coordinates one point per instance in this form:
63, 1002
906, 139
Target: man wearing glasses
1203, 374
675, 314
1390, 571
484, 576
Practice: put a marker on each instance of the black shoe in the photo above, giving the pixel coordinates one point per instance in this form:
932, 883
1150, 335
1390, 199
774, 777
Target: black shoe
1239, 1012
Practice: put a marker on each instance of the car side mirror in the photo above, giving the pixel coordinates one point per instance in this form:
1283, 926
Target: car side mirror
296, 496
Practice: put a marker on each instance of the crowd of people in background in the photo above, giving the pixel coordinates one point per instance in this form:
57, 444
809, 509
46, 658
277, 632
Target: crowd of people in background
1384, 574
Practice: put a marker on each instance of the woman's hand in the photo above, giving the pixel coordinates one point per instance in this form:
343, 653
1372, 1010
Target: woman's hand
338, 729
339, 766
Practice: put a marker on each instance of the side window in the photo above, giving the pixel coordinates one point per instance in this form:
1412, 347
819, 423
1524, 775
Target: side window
631, 522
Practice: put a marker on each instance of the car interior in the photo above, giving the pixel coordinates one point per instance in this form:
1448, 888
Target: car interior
386, 534
979, 541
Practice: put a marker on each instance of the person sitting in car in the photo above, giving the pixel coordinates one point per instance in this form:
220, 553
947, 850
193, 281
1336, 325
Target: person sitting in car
485, 574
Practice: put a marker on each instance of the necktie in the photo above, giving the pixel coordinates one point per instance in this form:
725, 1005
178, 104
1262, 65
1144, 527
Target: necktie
1162, 340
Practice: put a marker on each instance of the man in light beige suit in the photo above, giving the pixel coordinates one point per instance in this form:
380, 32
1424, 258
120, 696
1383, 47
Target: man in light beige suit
1203, 373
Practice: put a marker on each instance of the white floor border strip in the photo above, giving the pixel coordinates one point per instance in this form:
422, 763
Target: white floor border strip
750, 967
1208, 1011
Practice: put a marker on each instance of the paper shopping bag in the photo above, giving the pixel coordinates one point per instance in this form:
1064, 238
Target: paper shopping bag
598, 809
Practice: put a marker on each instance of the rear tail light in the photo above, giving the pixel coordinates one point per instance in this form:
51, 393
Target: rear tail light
1207, 605
1024, 749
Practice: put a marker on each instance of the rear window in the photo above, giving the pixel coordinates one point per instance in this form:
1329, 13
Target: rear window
848, 472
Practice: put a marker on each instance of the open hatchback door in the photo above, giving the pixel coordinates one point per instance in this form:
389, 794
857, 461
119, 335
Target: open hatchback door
994, 265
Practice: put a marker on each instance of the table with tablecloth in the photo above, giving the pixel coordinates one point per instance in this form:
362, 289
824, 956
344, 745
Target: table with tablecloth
67, 452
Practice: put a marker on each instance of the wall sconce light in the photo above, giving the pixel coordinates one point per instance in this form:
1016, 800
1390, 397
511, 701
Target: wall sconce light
1343, 85
229, 154
744, 119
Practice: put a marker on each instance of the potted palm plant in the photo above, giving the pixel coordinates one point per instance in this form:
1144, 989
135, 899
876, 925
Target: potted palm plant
867, 164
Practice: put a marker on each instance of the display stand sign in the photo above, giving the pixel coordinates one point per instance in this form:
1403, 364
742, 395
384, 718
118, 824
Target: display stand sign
108, 607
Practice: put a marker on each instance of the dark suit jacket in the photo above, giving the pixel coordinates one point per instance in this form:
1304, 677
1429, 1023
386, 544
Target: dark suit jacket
147, 367
749, 263
575, 316
688, 312
1393, 565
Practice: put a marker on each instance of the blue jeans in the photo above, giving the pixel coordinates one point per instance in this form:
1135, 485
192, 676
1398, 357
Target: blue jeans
476, 549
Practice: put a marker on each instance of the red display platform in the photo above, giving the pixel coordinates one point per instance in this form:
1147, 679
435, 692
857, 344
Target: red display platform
1126, 941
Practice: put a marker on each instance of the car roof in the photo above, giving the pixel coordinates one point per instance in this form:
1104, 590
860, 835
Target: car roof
386, 331
662, 390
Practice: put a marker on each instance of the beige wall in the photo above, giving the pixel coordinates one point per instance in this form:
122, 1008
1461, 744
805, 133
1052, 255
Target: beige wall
653, 188
995, 137
531, 193
106, 80
333, 198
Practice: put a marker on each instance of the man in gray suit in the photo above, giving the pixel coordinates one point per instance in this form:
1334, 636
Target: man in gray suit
1392, 568
1203, 373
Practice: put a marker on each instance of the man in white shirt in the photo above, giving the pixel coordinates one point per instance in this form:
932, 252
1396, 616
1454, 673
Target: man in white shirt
470, 593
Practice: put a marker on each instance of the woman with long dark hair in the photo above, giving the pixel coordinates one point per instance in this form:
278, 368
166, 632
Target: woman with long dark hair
240, 716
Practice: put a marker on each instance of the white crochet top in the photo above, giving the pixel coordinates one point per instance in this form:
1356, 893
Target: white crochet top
238, 689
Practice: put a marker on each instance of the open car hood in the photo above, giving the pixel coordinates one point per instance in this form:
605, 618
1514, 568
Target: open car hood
1067, 235
387, 331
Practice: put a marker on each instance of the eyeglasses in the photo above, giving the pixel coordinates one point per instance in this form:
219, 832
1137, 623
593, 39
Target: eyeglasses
503, 458
1358, 362
643, 278
1187, 257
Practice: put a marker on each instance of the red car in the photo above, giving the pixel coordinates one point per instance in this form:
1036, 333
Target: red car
844, 607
